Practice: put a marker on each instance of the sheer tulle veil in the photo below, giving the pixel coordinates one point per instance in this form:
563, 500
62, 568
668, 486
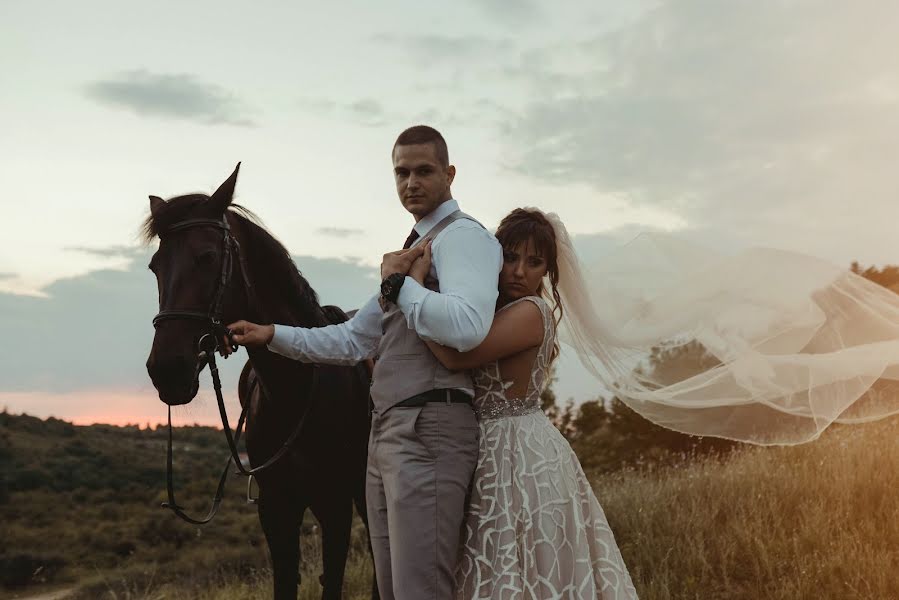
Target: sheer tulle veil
765, 346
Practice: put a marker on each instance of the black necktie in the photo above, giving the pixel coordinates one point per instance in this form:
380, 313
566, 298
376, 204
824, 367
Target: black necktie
411, 239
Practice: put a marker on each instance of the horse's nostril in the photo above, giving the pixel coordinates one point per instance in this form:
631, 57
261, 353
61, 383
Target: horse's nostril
172, 371
174, 377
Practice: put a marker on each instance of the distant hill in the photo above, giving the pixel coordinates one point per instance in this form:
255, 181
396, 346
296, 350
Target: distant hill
816, 521
80, 503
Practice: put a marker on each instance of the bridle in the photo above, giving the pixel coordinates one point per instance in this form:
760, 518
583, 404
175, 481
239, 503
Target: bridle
212, 317
208, 344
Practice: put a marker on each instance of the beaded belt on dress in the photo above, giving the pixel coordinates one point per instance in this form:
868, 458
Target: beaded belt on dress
511, 407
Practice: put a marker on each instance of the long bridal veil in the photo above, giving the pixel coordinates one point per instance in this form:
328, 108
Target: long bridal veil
764, 346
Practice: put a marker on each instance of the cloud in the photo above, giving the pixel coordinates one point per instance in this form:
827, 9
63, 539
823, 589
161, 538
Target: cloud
775, 119
317, 105
7, 275
49, 369
345, 282
369, 112
94, 331
114, 251
431, 48
174, 96
339, 232
366, 111
512, 13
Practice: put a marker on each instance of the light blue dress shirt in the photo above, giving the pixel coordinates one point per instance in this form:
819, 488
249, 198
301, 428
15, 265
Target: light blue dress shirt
465, 258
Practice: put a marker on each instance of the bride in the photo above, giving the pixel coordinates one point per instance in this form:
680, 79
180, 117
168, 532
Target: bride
533, 527
790, 345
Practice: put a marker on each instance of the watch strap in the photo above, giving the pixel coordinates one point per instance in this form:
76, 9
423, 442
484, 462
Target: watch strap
390, 287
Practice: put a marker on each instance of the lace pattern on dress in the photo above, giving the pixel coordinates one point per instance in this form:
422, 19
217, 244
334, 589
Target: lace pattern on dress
533, 527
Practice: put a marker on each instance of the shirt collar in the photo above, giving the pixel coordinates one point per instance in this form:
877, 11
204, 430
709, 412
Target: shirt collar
435, 216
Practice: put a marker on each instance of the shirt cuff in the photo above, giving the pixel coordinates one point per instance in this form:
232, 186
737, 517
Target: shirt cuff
411, 293
281, 340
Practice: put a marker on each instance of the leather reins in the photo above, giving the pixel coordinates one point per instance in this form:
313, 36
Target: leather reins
208, 344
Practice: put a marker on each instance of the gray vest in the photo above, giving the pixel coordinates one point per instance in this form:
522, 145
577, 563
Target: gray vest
405, 366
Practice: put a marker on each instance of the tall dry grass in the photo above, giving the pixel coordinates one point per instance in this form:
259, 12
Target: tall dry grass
817, 521
808, 522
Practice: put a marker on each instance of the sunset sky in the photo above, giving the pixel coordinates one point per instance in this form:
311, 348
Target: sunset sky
772, 123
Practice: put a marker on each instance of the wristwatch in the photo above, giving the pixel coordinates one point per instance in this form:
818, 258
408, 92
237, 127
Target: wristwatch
390, 287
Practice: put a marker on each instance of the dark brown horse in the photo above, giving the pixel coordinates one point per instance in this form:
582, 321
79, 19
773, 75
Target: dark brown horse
215, 259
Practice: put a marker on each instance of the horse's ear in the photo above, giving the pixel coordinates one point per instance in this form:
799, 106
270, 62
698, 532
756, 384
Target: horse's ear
222, 196
155, 204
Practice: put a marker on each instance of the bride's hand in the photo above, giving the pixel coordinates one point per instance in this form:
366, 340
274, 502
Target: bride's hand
422, 265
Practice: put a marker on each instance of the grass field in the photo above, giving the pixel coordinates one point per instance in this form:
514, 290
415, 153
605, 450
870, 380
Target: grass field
817, 521
810, 522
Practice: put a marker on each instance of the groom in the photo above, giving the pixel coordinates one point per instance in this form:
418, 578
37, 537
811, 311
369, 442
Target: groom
424, 437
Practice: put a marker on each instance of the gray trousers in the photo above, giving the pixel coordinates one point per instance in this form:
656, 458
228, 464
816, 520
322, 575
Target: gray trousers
420, 463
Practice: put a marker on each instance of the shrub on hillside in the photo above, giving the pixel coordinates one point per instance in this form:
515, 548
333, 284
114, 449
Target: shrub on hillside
17, 570
608, 435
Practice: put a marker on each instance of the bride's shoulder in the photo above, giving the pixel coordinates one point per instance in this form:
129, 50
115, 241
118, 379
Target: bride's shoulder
522, 319
528, 303
538, 300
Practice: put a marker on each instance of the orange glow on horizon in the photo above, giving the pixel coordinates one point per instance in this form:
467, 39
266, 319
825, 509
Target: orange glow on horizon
140, 407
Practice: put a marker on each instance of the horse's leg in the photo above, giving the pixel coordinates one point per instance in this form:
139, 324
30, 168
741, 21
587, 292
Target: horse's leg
362, 509
336, 518
281, 521
360, 477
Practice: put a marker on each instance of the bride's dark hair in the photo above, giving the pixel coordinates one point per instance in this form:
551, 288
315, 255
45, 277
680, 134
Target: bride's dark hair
518, 227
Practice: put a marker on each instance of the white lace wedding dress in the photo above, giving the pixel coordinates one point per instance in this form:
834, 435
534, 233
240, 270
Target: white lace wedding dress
533, 528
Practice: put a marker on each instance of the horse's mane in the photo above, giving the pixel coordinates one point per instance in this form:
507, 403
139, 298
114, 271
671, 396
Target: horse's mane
297, 294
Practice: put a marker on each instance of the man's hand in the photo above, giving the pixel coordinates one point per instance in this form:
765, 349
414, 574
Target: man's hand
400, 261
422, 265
251, 334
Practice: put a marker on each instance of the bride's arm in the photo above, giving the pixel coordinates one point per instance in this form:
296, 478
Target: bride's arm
515, 329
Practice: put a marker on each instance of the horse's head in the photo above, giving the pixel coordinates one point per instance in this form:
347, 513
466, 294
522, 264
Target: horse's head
199, 276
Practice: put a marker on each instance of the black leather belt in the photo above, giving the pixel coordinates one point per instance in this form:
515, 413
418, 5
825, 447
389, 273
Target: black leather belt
441, 395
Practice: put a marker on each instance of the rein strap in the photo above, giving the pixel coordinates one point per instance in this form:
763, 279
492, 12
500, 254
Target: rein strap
218, 332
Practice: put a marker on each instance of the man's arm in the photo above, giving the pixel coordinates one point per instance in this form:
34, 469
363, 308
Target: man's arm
346, 343
467, 259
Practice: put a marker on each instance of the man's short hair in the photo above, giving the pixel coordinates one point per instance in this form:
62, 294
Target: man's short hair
422, 134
